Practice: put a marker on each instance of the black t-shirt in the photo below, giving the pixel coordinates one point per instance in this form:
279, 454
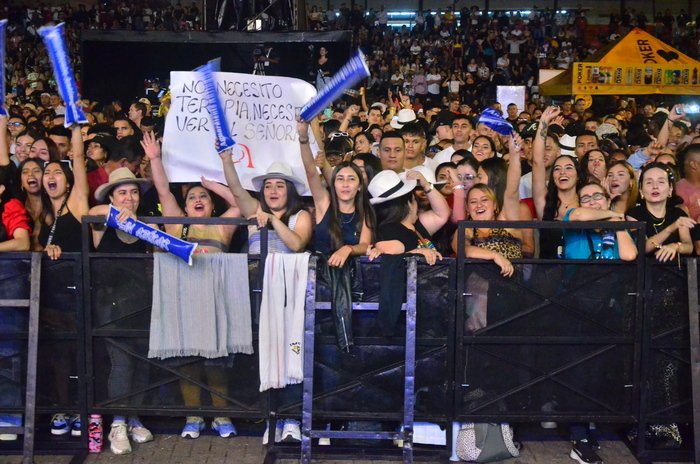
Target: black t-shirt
397, 231
656, 225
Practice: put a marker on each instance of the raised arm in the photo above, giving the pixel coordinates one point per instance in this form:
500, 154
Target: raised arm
459, 212
439, 212
79, 194
247, 204
319, 193
225, 193
539, 170
511, 197
160, 179
347, 117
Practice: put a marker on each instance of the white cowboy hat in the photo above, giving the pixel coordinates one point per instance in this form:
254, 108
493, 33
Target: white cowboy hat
387, 185
279, 170
404, 117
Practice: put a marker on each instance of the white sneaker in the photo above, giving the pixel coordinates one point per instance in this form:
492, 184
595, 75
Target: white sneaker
9, 421
291, 432
193, 427
278, 432
119, 439
325, 441
138, 432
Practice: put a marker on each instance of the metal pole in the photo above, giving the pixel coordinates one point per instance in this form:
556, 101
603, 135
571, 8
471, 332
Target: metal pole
205, 22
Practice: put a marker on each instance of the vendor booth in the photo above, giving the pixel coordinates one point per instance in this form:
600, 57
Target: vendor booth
637, 64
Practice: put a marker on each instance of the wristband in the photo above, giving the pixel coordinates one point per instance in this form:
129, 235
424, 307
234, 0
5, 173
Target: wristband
428, 190
304, 142
458, 187
656, 245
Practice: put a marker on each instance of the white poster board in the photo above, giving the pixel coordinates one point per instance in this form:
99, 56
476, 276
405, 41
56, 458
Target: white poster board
261, 112
507, 94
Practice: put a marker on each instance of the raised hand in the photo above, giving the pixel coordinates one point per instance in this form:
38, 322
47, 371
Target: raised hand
150, 145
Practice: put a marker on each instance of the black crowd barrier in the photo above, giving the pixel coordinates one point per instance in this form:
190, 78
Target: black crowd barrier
560, 340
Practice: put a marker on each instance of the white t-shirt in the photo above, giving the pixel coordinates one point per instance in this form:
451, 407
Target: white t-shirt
443, 156
434, 88
525, 188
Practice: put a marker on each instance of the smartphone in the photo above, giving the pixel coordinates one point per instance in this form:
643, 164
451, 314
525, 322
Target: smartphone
328, 113
689, 108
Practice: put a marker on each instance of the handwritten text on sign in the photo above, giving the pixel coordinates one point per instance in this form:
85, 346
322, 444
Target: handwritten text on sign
260, 112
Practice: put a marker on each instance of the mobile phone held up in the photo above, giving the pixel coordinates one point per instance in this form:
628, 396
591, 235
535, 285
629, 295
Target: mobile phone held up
689, 108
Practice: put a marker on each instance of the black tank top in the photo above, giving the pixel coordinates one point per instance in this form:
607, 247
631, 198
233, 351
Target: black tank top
110, 243
67, 235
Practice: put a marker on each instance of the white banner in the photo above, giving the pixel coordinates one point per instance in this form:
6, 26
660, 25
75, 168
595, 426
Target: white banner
260, 111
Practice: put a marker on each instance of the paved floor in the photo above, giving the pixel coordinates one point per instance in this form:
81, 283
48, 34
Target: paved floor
171, 449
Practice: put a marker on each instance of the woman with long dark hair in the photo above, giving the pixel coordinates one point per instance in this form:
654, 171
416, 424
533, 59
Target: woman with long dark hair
552, 198
211, 238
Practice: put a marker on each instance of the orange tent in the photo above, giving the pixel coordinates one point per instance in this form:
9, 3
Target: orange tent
638, 64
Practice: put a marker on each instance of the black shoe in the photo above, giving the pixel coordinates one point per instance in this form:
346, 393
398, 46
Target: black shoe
583, 453
593, 441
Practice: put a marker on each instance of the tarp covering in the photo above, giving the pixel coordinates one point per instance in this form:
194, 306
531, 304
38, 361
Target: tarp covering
637, 64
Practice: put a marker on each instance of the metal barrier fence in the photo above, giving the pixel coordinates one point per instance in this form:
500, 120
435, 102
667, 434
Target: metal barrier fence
565, 340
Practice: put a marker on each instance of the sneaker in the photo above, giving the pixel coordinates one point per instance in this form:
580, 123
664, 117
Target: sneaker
584, 454
593, 441
193, 427
138, 432
9, 421
549, 406
278, 432
74, 422
325, 441
119, 439
60, 424
224, 426
291, 432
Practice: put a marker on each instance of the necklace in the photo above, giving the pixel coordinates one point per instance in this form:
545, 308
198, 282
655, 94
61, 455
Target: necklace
656, 225
349, 220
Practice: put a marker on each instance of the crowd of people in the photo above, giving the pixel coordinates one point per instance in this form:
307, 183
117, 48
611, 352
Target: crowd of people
398, 167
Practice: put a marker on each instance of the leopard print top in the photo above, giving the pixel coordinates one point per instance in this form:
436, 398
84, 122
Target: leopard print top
499, 240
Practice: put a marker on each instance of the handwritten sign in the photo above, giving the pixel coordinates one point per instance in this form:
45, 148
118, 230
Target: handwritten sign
260, 112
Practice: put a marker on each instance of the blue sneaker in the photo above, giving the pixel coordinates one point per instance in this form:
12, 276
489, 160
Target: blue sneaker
224, 426
75, 430
10, 420
60, 424
193, 427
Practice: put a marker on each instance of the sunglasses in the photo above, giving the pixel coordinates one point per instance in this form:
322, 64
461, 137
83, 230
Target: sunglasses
335, 135
15, 124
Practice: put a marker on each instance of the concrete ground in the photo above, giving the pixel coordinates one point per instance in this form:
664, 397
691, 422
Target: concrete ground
209, 449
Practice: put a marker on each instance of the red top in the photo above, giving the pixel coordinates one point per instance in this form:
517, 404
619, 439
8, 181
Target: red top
96, 178
14, 216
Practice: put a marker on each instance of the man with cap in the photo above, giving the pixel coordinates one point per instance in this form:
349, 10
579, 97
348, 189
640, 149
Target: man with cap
99, 147
441, 125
